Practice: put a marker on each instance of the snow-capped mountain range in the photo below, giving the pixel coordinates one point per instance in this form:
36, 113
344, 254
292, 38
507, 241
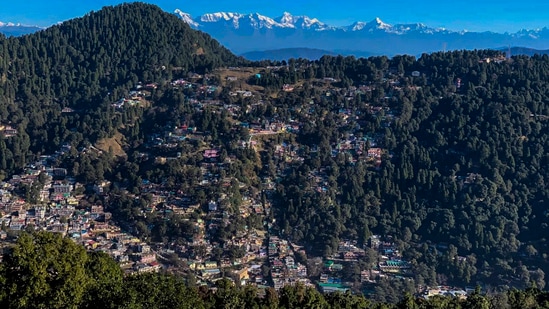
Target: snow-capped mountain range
255, 20
289, 21
255, 32
244, 33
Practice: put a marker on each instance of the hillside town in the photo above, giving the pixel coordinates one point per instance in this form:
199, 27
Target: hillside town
147, 163
47, 196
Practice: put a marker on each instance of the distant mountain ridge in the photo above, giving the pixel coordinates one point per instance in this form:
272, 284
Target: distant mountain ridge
526, 51
244, 33
12, 29
289, 21
303, 52
287, 53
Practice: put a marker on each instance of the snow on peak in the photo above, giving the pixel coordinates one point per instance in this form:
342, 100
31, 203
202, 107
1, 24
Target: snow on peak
254, 20
304, 22
532, 33
186, 17
357, 26
380, 24
257, 20
286, 18
222, 17
403, 28
376, 24
309, 22
289, 21
9, 24
213, 17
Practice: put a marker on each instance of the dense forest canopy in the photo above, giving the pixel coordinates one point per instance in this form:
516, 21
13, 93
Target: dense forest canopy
463, 143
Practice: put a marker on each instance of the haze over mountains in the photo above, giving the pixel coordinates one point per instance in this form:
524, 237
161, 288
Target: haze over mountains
244, 33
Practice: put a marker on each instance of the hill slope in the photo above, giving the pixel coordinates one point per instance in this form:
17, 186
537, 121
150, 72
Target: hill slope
88, 63
527, 51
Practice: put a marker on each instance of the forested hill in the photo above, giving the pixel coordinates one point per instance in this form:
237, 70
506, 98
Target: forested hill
86, 62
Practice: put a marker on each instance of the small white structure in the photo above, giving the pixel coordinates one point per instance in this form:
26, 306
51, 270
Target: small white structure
212, 206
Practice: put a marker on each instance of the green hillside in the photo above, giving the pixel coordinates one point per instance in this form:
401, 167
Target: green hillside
87, 63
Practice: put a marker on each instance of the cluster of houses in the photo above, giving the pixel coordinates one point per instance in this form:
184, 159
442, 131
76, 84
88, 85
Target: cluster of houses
389, 264
284, 269
135, 97
198, 251
330, 279
209, 216
213, 214
59, 207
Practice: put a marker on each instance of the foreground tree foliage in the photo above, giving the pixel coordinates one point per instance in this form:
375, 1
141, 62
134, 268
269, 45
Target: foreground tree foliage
45, 270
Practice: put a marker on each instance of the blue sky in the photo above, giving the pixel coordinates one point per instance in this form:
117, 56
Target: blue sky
472, 15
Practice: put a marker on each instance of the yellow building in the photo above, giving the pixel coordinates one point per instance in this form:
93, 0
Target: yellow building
240, 275
210, 264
